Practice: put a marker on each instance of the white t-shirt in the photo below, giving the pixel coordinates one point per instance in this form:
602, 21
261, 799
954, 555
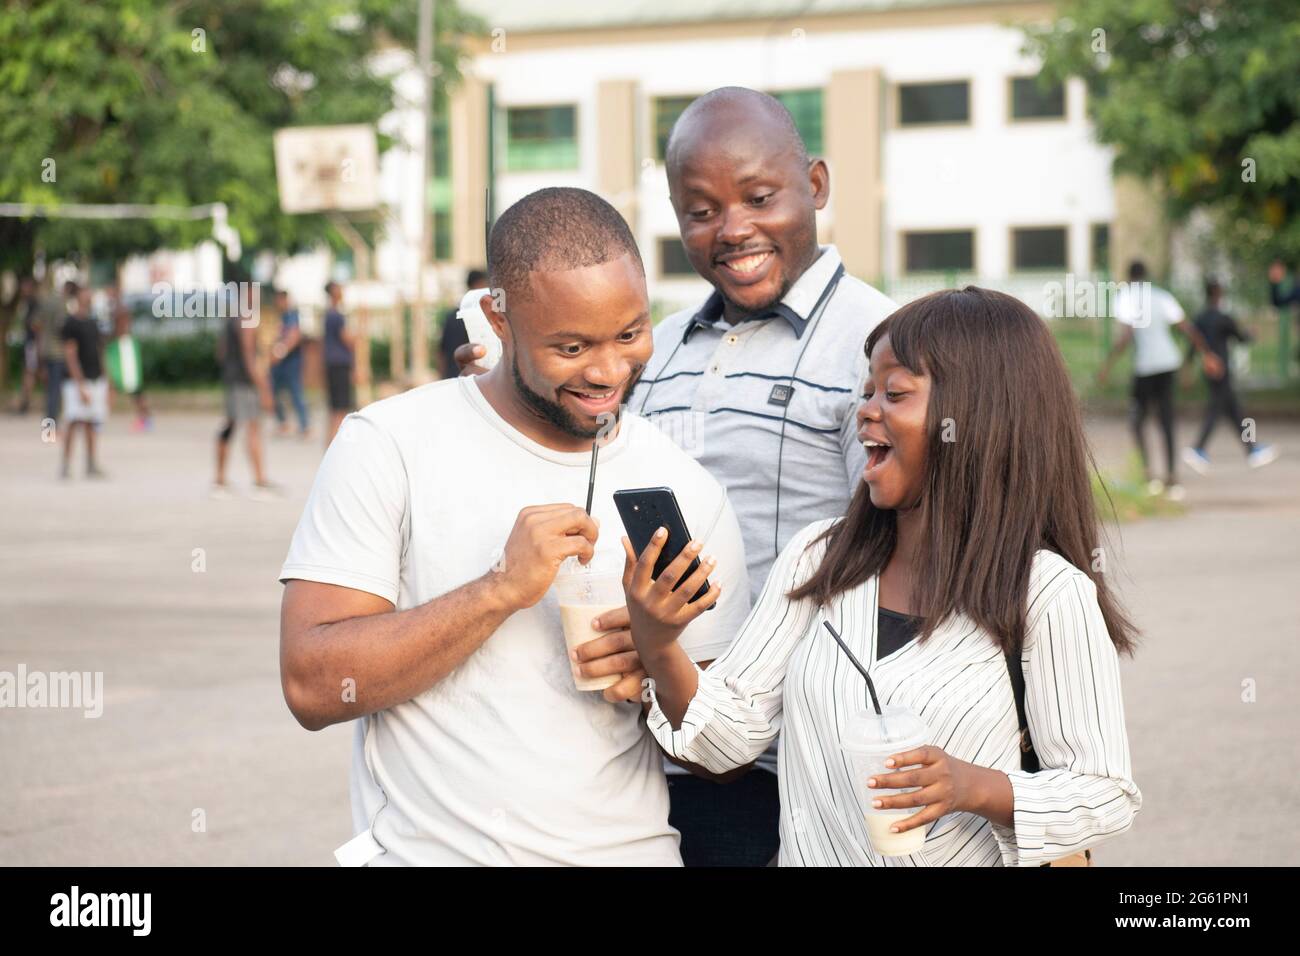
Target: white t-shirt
502, 761
1150, 311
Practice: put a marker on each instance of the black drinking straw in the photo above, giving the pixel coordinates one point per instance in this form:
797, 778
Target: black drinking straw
591, 477
856, 663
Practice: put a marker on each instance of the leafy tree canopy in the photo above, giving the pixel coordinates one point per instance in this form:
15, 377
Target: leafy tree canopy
1201, 95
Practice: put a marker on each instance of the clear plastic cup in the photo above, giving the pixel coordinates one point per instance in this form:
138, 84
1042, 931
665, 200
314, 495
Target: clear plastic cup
586, 591
867, 740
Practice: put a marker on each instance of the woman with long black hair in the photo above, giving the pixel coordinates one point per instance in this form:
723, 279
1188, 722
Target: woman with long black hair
970, 547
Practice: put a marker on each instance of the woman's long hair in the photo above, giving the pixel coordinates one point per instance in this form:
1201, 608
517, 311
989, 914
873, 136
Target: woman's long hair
1007, 471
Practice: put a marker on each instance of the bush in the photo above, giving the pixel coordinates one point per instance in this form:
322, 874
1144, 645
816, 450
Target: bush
180, 360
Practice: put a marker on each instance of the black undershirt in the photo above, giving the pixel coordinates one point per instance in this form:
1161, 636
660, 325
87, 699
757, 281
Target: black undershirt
893, 630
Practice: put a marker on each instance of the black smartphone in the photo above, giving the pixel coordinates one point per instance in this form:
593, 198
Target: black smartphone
644, 511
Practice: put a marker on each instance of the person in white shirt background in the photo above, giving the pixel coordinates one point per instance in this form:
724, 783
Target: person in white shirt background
975, 528
1148, 312
418, 599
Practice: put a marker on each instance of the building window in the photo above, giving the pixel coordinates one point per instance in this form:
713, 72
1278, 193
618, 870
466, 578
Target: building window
1031, 100
673, 263
666, 109
1101, 247
949, 251
806, 108
924, 103
541, 137
1038, 248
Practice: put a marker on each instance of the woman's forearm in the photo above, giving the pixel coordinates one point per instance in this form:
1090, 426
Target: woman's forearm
993, 797
675, 681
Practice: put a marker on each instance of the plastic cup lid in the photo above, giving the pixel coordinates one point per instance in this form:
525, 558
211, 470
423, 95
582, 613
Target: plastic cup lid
897, 729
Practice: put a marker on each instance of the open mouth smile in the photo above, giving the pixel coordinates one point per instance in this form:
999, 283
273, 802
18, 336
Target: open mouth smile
596, 401
749, 266
878, 454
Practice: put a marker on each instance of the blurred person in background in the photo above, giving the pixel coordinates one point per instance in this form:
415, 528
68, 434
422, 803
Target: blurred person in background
29, 306
85, 390
53, 314
1219, 330
1276, 276
286, 367
454, 333
1148, 312
247, 394
125, 363
340, 361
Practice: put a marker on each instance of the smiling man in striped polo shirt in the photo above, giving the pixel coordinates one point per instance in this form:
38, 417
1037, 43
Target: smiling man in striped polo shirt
760, 383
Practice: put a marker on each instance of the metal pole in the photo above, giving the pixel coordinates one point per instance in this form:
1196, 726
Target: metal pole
419, 314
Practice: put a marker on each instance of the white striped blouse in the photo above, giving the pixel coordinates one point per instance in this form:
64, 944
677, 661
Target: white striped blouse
785, 674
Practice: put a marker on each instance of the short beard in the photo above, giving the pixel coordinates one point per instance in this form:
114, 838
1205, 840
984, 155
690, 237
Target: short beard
555, 413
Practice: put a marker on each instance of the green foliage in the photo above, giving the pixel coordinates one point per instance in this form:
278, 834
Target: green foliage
181, 359
143, 102
1187, 91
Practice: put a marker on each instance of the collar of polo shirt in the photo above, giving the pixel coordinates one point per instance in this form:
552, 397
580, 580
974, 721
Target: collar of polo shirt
795, 307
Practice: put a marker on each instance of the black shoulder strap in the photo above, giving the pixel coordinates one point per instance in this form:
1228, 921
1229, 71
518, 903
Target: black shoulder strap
1028, 759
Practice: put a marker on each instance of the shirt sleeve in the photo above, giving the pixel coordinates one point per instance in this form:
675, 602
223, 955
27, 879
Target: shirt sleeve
1173, 312
353, 529
855, 456
710, 634
1084, 792
736, 711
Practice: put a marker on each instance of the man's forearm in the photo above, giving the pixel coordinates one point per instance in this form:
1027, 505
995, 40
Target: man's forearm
391, 657
74, 366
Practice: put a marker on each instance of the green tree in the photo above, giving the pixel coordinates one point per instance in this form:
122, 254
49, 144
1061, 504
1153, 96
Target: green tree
137, 101
1201, 95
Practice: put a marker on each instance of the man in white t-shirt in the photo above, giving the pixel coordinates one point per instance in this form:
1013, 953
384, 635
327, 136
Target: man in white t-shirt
1149, 314
419, 602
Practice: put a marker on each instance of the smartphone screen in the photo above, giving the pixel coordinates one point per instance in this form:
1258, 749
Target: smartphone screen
645, 510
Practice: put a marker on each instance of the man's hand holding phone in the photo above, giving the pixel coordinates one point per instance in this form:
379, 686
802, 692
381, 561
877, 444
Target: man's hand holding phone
658, 610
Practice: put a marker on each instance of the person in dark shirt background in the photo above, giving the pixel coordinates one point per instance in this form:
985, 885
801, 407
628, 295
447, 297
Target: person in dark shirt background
340, 346
1276, 276
286, 367
454, 333
1219, 330
85, 391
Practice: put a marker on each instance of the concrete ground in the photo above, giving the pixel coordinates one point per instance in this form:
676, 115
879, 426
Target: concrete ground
196, 760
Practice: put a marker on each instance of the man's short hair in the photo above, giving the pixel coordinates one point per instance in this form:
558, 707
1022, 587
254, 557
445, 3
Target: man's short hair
554, 230
475, 279
1137, 270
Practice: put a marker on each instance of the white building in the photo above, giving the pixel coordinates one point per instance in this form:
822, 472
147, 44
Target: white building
948, 161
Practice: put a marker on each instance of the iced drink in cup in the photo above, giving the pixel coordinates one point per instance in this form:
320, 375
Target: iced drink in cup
868, 740
587, 591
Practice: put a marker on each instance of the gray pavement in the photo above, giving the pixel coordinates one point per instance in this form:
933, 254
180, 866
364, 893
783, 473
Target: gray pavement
103, 576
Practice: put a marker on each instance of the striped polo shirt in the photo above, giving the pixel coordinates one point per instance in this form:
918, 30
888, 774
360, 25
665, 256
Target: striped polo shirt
726, 393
